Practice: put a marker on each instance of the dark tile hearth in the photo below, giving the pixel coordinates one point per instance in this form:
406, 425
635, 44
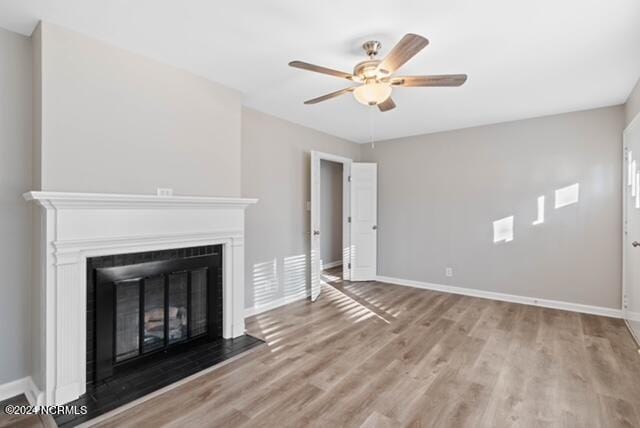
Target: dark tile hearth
137, 382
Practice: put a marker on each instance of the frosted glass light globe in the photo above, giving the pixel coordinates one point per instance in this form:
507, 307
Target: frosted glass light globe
372, 93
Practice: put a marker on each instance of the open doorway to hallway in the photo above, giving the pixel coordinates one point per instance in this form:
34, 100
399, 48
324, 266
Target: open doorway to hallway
331, 215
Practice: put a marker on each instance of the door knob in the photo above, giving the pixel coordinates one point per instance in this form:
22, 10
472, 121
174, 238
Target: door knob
375, 227
316, 232
635, 244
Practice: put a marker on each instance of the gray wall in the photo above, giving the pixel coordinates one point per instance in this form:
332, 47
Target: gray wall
117, 122
15, 215
440, 193
632, 107
275, 169
37, 299
331, 211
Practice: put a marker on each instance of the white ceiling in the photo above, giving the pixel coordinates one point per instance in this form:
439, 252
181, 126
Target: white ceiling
524, 58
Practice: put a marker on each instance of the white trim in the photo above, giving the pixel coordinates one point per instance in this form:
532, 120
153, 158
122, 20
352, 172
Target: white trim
633, 335
623, 303
70, 249
77, 226
114, 200
13, 388
33, 393
633, 316
330, 264
317, 157
22, 386
256, 310
545, 303
332, 158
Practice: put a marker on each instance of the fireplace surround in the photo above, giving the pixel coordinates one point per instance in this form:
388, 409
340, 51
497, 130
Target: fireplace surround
73, 227
140, 305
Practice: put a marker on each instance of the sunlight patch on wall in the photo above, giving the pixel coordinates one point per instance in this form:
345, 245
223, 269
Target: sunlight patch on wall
346, 255
633, 181
567, 195
316, 278
629, 168
265, 282
540, 218
637, 181
503, 230
295, 275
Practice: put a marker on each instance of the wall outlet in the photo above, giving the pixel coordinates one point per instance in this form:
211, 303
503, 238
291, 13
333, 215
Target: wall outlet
448, 272
161, 191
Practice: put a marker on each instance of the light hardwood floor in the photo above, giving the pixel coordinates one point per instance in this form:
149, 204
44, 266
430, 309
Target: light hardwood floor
372, 354
380, 355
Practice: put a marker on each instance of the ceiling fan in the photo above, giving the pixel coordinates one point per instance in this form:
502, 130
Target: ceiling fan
376, 76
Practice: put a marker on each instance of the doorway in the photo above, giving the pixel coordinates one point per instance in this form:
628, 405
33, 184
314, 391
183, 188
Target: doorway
331, 217
359, 221
316, 231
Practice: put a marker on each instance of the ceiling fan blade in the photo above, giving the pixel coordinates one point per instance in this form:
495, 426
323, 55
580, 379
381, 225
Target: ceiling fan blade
318, 69
387, 105
441, 80
329, 96
402, 52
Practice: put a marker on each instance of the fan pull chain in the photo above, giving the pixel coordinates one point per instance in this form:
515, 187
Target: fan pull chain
371, 113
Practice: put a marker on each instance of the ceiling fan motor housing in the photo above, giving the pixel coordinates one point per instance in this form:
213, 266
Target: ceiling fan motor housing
366, 69
372, 47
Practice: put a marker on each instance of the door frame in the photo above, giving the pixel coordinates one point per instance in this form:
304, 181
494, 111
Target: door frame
635, 123
317, 156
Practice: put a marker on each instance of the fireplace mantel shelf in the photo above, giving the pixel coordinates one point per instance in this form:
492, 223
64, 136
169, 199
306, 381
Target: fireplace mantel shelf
114, 200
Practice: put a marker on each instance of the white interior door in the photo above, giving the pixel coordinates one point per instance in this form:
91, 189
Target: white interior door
364, 221
316, 285
631, 233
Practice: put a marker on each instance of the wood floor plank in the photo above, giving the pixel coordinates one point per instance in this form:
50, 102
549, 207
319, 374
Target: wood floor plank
617, 412
608, 379
577, 398
592, 325
377, 420
507, 398
468, 408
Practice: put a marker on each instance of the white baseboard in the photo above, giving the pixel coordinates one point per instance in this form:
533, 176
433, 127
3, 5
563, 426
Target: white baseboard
633, 316
553, 304
330, 265
255, 310
11, 389
24, 386
33, 393
632, 333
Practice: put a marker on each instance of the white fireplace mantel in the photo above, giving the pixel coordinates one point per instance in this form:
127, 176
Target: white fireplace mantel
75, 226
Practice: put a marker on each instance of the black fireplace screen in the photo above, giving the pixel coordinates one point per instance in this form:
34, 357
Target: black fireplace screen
147, 308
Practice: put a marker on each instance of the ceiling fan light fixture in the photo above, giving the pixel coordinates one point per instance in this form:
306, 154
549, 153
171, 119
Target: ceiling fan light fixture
372, 93
377, 77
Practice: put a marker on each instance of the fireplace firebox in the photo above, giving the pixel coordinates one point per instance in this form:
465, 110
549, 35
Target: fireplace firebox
146, 310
